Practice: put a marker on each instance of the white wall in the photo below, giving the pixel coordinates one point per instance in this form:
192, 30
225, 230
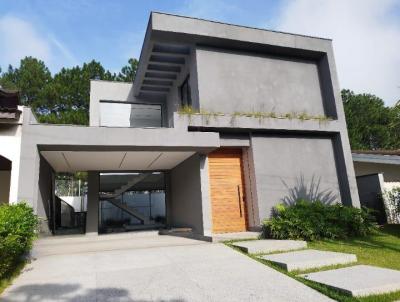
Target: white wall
10, 142
76, 202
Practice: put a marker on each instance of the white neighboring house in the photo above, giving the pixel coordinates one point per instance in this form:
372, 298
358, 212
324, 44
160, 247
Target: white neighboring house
10, 144
377, 172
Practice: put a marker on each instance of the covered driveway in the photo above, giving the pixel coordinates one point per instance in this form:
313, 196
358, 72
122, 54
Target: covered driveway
147, 267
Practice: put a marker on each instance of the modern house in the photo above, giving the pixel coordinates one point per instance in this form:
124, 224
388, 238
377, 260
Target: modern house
378, 171
221, 123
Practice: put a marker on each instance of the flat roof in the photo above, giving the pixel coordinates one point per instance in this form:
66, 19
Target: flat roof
167, 33
376, 158
238, 25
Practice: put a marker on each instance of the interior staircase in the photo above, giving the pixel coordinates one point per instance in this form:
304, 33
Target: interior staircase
110, 197
126, 186
129, 210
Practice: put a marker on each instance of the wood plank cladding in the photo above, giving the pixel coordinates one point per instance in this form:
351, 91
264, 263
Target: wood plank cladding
227, 191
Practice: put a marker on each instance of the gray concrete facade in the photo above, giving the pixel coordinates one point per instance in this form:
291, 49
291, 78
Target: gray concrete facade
234, 72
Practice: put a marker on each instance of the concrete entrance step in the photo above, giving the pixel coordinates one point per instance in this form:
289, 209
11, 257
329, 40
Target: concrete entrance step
234, 236
308, 259
172, 231
359, 280
269, 246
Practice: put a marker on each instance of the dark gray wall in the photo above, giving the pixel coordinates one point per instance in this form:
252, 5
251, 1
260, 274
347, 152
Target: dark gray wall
186, 198
231, 81
45, 195
291, 167
92, 218
370, 190
45, 188
369, 187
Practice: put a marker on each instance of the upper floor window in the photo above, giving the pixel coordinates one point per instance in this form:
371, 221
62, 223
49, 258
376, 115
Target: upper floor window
186, 97
123, 114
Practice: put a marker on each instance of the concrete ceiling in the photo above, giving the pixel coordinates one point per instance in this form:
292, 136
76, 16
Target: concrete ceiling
109, 182
163, 64
74, 161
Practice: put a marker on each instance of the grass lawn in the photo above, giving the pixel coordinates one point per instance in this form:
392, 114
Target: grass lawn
382, 248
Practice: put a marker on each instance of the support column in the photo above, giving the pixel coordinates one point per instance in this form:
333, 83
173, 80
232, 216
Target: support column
92, 215
205, 196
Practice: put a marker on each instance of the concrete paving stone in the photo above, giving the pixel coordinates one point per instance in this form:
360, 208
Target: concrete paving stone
269, 246
178, 272
308, 259
359, 280
234, 236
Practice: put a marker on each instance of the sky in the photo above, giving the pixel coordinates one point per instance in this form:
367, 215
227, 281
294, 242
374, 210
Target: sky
65, 33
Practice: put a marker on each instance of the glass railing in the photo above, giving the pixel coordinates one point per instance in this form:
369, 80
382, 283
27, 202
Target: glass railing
123, 114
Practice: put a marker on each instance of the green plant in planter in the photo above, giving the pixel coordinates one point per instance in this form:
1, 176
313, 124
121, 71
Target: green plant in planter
315, 220
260, 115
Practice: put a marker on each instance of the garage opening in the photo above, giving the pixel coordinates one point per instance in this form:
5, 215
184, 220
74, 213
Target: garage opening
131, 201
5, 179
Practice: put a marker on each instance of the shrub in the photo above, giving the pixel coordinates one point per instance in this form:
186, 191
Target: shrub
18, 225
315, 220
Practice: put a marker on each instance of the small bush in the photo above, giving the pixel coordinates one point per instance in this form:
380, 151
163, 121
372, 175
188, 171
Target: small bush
315, 220
18, 225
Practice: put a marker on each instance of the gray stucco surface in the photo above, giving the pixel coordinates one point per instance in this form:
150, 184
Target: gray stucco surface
61, 137
186, 197
292, 167
138, 269
92, 217
246, 82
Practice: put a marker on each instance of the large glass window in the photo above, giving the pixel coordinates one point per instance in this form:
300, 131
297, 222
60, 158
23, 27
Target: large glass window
122, 114
186, 97
131, 201
69, 204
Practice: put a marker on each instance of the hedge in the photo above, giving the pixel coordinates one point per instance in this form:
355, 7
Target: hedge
18, 229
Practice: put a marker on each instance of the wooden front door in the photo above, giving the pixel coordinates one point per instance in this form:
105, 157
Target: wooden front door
227, 191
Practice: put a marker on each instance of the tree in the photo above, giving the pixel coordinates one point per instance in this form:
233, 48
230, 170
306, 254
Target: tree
128, 72
30, 79
370, 124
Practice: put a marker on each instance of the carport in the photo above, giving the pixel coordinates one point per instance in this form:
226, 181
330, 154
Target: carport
114, 177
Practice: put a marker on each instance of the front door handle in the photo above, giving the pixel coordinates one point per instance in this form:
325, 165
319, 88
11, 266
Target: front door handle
240, 201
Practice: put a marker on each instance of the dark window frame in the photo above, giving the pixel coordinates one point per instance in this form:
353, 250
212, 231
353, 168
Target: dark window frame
186, 85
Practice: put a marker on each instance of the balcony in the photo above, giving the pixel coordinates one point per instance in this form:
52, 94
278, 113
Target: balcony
131, 115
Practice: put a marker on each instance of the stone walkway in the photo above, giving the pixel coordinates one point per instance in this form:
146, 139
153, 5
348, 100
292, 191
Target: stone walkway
358, 280
269, 246
309, 259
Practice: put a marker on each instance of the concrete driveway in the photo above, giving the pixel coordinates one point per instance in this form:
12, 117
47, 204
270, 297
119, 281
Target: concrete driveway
149, 268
